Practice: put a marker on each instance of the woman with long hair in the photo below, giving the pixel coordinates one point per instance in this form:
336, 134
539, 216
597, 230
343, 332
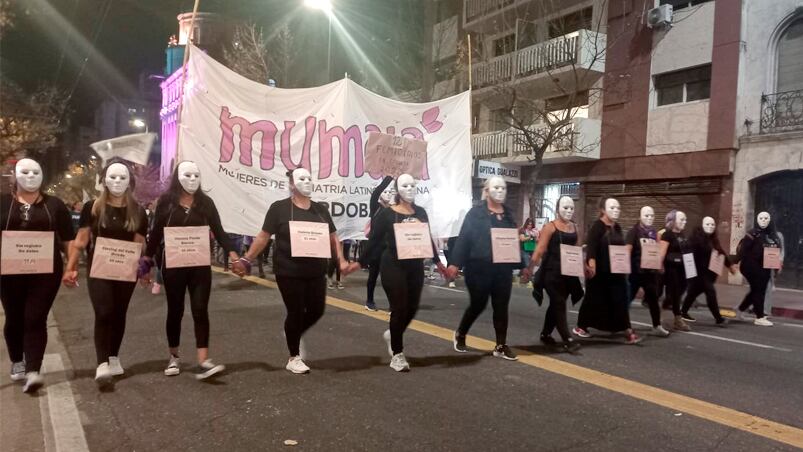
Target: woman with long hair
114, 215
704, 242
527, 237
300, 274
381, 197
27, 297
675, 246
605, 306
641, 234
751, 257
185, 204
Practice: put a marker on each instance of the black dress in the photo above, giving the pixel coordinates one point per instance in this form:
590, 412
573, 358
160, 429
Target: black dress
605, 306
558, 286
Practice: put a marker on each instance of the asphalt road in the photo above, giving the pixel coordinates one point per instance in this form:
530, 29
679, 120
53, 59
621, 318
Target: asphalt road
352, 400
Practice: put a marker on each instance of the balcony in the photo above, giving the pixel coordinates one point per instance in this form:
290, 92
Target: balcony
545, 63
488, 16
505, 146
782, 112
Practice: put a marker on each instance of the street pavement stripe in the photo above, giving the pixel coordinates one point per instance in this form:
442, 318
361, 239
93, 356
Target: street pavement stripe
720, 338
444, 288
68, 434
705, 410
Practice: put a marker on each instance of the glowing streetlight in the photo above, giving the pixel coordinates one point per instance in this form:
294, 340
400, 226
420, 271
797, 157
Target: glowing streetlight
139, 124
323, 5
326, 7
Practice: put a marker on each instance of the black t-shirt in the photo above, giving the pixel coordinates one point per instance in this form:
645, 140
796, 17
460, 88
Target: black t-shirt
637, 236
678, 246
382, 233
113, 227
202, 213
48, 213
277, 221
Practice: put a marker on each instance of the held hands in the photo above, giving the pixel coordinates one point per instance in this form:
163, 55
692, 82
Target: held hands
442, 270
591, 270
144, 270
241, 267
346, 267
526, 274
70, 278
451, 272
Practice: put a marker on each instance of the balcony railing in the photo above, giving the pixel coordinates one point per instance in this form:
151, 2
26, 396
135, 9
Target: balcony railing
782, 112
475, 8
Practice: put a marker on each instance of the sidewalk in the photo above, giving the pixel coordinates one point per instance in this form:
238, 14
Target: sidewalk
785, 302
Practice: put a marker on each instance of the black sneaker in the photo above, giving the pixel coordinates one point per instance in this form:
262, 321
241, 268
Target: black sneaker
371, 306
571, 346
722, 322
548, 340
688, 318
206, 369
504, 352
459, 343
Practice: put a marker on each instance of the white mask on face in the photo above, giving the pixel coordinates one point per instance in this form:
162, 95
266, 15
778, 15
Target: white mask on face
680, 221
388, 194
647, 216
709, 225
612, 209
406, 184
117, 179
189, 176
566, 208
763, 220
497, 189
302, 179
28, 174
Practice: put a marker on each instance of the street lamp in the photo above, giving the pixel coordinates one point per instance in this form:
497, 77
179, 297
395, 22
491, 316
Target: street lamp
140, 124
326, 7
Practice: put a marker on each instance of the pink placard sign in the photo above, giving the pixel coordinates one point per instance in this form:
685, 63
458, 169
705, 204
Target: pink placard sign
650, 256
26, 252
505, 246
620, 259
116, 260
413, 240
772, 258
571, 260
187, 246
717, 262
393, 155
310, 239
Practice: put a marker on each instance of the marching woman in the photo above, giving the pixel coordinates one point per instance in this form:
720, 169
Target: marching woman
641, 235
751, 253
381, 197
703, 243
300, 257
184, 204
558, 285
487, 275
114, 215
402, 275
675, 248
605, 306
28, 293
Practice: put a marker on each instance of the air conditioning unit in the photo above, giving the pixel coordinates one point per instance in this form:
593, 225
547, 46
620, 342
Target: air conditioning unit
660, 17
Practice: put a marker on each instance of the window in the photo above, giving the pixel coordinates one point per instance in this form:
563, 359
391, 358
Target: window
499, 119
504, 45
578, 20
680, 4
568, 101
790, 58
683, 86
526, 34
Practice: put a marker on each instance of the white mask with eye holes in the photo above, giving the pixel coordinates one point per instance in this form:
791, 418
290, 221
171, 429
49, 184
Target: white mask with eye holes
763, 220
189, 176
388, 194
647, 216
302, 180
709, 225
117, 179
29, 175
566, 208
612, 209
497, 189
406, 185
680, 221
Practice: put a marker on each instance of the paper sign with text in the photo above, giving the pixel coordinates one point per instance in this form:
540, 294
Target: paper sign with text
717, 262
26, 252
393, 155
650, 256
505, 246
310, 239
688, 266
620, 259
116, 260
571, 260
413, 240
772, 258
187, 247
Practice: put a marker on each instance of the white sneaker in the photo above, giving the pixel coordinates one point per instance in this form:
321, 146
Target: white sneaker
742, 316
33, 381
173, 366
103, 375
18, 371
399, 363
386, 337
115, 367
660, 331
763, 321
296, 365
452, 285
207, 369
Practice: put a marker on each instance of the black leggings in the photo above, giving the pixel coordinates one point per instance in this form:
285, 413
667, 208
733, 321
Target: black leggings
557, 289
373, 275
675, 281
305, 300
703, 284
27, 300
110, 301
758, 280
649, 282
485, 280
403, 282
198, 280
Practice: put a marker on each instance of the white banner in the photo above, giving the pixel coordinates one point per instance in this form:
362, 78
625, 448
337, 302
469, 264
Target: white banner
134, 148
245, 136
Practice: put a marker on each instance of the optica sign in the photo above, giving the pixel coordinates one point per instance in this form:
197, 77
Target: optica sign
509, 173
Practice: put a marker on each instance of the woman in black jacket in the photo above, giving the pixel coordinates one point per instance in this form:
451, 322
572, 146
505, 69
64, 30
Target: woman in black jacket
703, 243
751, 258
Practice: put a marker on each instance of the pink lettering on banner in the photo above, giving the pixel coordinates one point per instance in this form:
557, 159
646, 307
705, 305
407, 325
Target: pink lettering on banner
306, 155
344, 139
247, 131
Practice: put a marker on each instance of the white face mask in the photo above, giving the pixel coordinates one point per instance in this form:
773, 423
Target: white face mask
189, 176
709, 225
763, 220
497, 189
680, 221
406, 185
302, 179
387, 195
566, 208
29, 175
612, 209
647, 216
117, 179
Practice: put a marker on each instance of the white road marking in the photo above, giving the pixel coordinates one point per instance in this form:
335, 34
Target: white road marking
445, 288
720, 338
789, 324
68, 432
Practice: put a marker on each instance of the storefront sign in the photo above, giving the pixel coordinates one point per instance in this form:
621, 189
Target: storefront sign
510, 173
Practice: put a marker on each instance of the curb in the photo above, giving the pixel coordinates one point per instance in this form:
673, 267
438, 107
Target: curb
788, 313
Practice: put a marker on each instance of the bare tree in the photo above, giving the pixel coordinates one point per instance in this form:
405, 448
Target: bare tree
30, 122
282, 56
248, 53
6, 16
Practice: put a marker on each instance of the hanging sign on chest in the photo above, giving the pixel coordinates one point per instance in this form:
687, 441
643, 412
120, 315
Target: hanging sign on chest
772, 258
650, 256
688, 266
413, 240
310, 239
26, 252
717, 262
571, 260
620, 259
187, 246
505, 246
115, 260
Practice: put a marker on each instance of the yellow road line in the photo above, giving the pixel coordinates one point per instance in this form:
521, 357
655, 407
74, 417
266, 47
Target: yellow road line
728, 417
